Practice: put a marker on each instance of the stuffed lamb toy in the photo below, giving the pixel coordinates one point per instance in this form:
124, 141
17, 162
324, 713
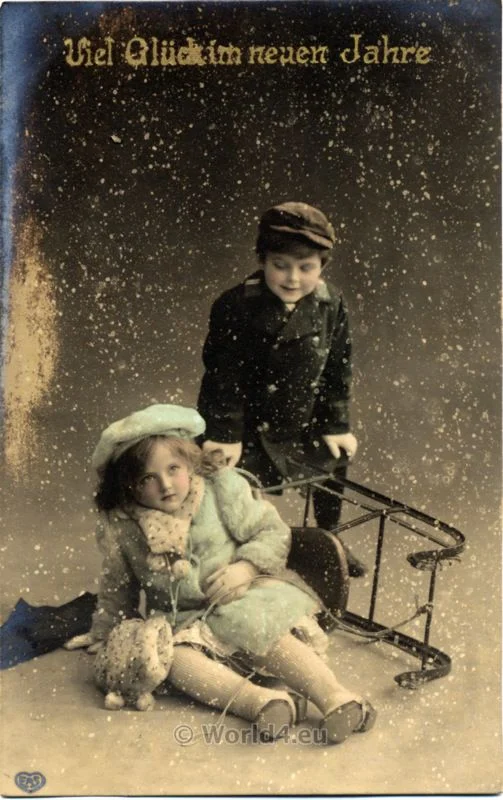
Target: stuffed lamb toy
135, 660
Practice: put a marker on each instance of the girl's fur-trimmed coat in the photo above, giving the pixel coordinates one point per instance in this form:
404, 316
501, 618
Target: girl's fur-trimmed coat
230, 525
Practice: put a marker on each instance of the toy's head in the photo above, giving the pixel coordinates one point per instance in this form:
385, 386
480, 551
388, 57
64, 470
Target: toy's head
134, 662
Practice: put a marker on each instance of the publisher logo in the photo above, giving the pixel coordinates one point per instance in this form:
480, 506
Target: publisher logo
30, 782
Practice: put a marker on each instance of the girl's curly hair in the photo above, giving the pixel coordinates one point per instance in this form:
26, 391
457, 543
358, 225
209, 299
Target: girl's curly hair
117, 480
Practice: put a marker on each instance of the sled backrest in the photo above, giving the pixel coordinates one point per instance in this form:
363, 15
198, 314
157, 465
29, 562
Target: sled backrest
318, 557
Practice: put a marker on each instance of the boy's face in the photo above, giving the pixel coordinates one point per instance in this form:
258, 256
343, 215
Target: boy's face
165, 482
292, 276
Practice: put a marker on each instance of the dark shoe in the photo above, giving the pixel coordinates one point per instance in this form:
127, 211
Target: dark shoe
343, 721
297, 699
275, 719
356, 568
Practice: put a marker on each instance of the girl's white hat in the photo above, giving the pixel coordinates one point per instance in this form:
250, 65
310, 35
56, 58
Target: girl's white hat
157, 420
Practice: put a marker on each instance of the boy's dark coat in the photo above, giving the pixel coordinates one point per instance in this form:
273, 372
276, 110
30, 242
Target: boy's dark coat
284, 378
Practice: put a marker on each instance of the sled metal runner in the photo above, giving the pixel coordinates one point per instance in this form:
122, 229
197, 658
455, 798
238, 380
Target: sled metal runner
371, 505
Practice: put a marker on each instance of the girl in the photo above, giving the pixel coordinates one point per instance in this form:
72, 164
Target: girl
220, 585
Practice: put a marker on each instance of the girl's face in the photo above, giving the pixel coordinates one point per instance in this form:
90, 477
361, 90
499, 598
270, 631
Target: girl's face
165, 482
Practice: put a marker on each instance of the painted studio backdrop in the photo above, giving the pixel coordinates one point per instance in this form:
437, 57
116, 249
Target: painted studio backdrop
141, 142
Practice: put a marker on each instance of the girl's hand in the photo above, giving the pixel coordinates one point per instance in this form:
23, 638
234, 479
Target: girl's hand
341, 441
230, 582
84, 640
231, 450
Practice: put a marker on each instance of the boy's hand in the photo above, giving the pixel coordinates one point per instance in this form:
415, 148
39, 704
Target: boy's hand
84, 640
341, 441
231, 450
230, 582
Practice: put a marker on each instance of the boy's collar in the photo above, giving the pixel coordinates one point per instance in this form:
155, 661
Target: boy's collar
321, 292
255, 285
269, 315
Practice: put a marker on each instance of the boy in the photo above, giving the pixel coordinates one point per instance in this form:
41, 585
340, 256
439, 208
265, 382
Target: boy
278, 357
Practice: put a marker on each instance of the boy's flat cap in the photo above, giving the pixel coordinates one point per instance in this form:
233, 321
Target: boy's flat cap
156, 420
299, 219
